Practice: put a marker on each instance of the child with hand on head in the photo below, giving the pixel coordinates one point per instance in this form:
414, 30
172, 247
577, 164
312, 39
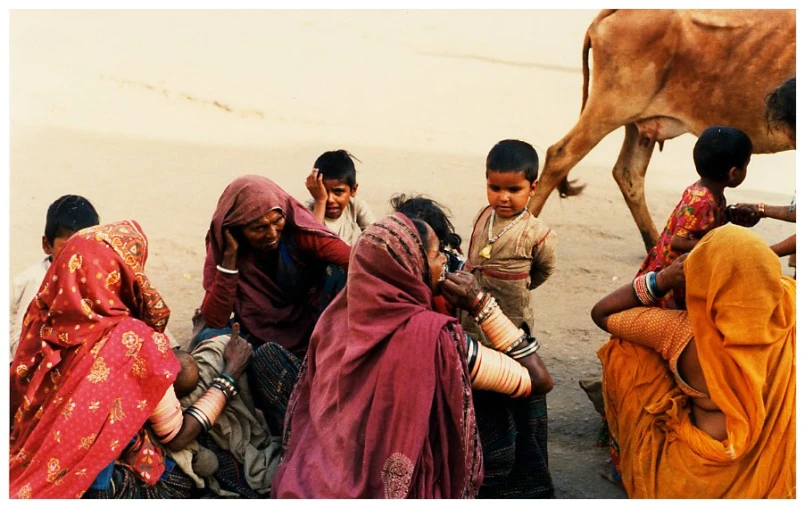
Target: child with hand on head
333, 187
511, 252
65, 216
721, 155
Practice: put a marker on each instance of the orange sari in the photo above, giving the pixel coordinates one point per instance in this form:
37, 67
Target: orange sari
743, 316
92, 365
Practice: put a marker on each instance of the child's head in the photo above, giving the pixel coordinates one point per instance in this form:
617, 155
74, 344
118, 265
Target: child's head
338, 175
65, 216
721, 154
187, 378
781, 109
428, 210
511, 176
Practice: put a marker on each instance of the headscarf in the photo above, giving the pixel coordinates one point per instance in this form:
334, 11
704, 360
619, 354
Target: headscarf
383, 407
92, 365
743, 314
262, 307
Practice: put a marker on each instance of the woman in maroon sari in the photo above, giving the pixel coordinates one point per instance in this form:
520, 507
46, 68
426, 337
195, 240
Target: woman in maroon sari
267, 260
383, 405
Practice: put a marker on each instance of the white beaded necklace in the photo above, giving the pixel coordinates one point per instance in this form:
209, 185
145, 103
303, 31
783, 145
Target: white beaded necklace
486, 252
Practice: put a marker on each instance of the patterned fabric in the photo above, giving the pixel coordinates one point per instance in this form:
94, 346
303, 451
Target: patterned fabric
514, 437
272, 374
383, 405
126, 484
91, 367
698, 212
745, 332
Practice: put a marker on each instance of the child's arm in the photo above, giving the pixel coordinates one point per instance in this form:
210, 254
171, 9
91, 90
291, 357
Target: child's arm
681, 244
786, 247
315, 186
543, 259
365, 217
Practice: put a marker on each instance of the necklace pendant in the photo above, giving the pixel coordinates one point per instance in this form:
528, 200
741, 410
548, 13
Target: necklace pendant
486, 252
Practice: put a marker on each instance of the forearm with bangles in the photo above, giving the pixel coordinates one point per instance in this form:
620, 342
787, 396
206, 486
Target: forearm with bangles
167, 419
494, 371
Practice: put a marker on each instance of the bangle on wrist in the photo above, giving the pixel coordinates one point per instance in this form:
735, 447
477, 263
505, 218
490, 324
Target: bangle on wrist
761, 208
226, 270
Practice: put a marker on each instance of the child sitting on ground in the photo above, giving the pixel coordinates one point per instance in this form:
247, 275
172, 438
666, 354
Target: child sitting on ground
511, 252
333, 186
65, 216
721, 156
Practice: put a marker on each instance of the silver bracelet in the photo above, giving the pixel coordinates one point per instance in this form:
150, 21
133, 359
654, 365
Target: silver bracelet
226, 270
529, 349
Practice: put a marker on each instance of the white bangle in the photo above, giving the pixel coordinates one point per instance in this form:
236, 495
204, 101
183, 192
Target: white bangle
226, 270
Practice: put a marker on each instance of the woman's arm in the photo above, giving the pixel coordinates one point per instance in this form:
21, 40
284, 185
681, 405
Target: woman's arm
624, 297
237, 354
329, 249
220, 295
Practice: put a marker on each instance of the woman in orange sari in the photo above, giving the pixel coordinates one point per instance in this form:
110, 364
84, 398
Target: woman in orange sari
701, 403
93, 369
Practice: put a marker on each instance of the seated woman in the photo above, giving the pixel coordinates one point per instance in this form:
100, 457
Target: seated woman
700, 404
383, 406
94, 370
513, 432
275, 267
267, 260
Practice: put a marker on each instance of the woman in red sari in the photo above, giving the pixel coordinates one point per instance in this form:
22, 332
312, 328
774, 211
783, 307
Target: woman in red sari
92, 369
383, 405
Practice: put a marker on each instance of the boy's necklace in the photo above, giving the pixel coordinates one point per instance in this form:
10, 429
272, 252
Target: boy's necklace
486, 252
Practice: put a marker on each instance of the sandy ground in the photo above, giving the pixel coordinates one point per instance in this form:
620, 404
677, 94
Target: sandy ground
150, 115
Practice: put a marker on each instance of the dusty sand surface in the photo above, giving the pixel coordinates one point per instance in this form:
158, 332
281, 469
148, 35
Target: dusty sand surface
151, 114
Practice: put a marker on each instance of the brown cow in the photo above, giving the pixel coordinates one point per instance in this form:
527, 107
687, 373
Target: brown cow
662, 73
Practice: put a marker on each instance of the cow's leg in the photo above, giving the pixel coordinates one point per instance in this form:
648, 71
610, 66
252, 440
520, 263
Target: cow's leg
560, 158
630, 173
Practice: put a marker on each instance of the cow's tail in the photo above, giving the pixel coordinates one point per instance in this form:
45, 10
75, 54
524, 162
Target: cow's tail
566, 187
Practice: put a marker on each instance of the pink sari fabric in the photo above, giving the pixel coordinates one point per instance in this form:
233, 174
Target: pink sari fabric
91, 367
261, 307
383, 405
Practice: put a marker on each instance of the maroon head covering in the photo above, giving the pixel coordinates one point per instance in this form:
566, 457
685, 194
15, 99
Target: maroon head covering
383, 406
262, 308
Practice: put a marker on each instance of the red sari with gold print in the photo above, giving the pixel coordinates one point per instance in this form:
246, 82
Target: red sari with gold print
91, 367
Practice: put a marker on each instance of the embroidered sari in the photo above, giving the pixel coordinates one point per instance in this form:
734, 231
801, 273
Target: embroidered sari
383, 405
743, 316
92, 365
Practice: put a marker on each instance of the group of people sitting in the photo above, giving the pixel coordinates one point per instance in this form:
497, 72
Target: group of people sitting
336, 356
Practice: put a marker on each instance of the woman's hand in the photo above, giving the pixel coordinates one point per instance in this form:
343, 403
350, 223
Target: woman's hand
230, 261
672, 276
315, 186
237, 353
461, 289
743, 214
541, 380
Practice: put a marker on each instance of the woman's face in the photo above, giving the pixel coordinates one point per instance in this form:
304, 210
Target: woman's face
437, 261
264, 233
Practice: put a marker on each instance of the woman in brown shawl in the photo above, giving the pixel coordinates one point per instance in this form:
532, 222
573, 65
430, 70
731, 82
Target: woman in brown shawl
383, 406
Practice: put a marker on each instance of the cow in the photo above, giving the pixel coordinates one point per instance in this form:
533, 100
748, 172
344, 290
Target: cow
662, 73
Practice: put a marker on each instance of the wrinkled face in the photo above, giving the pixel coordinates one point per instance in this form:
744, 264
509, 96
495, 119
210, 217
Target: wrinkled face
58, 245
338, 194
437, 261
508, 193
264, 233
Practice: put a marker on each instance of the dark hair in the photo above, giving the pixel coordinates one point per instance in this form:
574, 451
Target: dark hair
781, 106
513, 156
428, 210
422, 229
337, 165
720, 148
67, 215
